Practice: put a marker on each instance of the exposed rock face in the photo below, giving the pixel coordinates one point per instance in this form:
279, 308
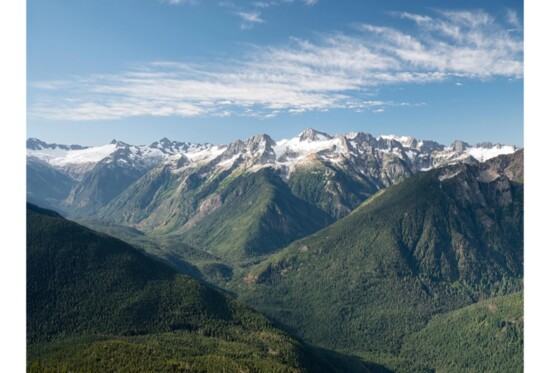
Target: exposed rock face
207, 206
511, 166
334, 173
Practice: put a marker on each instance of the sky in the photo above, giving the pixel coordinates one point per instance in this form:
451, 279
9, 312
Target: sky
219, 70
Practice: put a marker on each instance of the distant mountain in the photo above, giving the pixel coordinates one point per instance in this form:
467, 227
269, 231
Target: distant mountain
106, 180
99, 174
36, 144
76, 160
46, 185
94, 303
172, 187
437, 241
335, 173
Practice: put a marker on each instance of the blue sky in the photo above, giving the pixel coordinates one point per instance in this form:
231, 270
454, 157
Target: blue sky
215, 71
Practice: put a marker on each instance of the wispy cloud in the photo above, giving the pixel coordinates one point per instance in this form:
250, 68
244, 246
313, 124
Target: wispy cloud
250, 18
310, 2
513, 19
457, 43
263, 4
178, 2
251, 14
51, 84
336, 70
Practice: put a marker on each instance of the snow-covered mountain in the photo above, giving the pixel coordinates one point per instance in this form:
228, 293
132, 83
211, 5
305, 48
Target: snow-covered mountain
76, 160
262, 151
335, 173
361, 150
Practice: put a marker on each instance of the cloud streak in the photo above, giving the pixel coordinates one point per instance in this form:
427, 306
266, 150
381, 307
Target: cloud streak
310, 2
250, 18
335, 71
178, 2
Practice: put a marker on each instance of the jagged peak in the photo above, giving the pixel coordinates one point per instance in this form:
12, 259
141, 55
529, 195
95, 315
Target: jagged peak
165, 143
310, 134
34, 143
259, 139
405, 141
358, 134
429, 146
118, 143
459, 146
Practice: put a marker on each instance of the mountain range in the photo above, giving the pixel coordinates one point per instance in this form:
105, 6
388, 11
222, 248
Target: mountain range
177, 187
95, 176
371, 246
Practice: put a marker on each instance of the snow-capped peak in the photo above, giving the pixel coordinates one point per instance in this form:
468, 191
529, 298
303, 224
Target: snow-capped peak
118, 144
77, 160
405, 141
309, 134
362, 150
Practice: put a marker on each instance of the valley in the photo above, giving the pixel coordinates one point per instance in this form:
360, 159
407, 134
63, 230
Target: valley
355, 253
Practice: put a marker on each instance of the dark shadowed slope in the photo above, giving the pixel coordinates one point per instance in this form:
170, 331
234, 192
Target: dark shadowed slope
94, 303
46, 185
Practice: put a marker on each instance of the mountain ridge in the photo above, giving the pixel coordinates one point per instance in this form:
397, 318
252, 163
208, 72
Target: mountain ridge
436, 242
168, 187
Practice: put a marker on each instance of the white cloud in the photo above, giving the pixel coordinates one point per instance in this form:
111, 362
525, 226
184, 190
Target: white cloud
50, 84
310, 2
458, 43
178, 2
513, 19
263, 4
334, 71
250, 18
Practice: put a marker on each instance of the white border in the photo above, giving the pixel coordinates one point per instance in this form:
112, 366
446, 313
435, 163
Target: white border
12, 169
537, 184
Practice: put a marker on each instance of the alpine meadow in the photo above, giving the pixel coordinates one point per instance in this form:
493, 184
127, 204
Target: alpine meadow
293, 186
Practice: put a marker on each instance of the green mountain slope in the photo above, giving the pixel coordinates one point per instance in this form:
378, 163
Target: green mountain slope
233, 217
484, 337
257, 214
159, 200
436, 242
331, 189
95, 303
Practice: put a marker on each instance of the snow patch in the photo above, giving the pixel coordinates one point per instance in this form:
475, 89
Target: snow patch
483, 154
204, 154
